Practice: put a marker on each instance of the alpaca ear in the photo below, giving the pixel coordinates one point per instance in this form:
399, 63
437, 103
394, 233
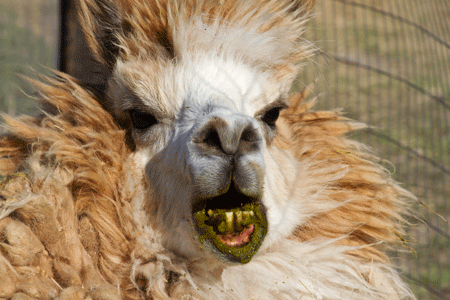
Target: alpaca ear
101, 22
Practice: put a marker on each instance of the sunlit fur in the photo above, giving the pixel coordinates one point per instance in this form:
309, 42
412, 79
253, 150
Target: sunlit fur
106, 209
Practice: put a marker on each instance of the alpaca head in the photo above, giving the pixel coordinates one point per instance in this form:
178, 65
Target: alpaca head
199, 86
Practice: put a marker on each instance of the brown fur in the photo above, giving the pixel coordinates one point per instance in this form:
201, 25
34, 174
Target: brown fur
75, 212
132, 28
373, 213
76, 219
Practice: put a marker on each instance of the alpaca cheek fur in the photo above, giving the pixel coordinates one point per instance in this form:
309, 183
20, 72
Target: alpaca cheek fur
282, 206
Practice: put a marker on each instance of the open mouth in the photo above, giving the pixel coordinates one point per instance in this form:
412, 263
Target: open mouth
233, 224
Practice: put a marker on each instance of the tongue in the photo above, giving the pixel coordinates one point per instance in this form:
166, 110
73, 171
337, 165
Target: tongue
237, 239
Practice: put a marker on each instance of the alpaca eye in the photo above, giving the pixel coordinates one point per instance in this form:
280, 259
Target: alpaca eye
271, 116
142, 120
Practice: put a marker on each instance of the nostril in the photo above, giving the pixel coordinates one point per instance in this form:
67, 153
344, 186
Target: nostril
249, 134
212, 139
228, 137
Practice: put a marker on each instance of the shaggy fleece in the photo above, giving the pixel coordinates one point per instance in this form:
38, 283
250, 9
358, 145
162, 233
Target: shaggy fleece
68, 229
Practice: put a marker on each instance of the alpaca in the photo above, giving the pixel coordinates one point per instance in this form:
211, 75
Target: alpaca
193, 174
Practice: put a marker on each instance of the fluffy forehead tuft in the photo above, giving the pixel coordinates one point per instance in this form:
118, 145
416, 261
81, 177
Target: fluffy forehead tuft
263, 32
227, 83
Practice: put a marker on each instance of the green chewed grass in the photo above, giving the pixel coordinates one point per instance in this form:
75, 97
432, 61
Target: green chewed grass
235, 233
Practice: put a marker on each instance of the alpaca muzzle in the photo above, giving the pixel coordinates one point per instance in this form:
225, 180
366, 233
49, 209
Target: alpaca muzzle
227, 209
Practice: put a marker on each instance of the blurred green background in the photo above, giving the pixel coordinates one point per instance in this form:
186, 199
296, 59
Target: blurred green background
28, 44
385, 62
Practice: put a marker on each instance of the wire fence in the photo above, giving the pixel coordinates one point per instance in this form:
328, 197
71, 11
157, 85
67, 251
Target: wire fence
387, 64
28, 41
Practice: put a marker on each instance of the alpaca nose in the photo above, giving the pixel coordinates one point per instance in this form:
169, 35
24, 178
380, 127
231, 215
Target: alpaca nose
229, 135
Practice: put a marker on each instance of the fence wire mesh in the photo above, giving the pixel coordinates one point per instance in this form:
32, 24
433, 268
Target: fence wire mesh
28, 41
387, 64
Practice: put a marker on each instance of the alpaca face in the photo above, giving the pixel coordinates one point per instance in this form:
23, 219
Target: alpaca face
200, 86
202, 129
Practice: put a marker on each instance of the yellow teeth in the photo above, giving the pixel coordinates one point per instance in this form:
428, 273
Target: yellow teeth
238, 220
230, 221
